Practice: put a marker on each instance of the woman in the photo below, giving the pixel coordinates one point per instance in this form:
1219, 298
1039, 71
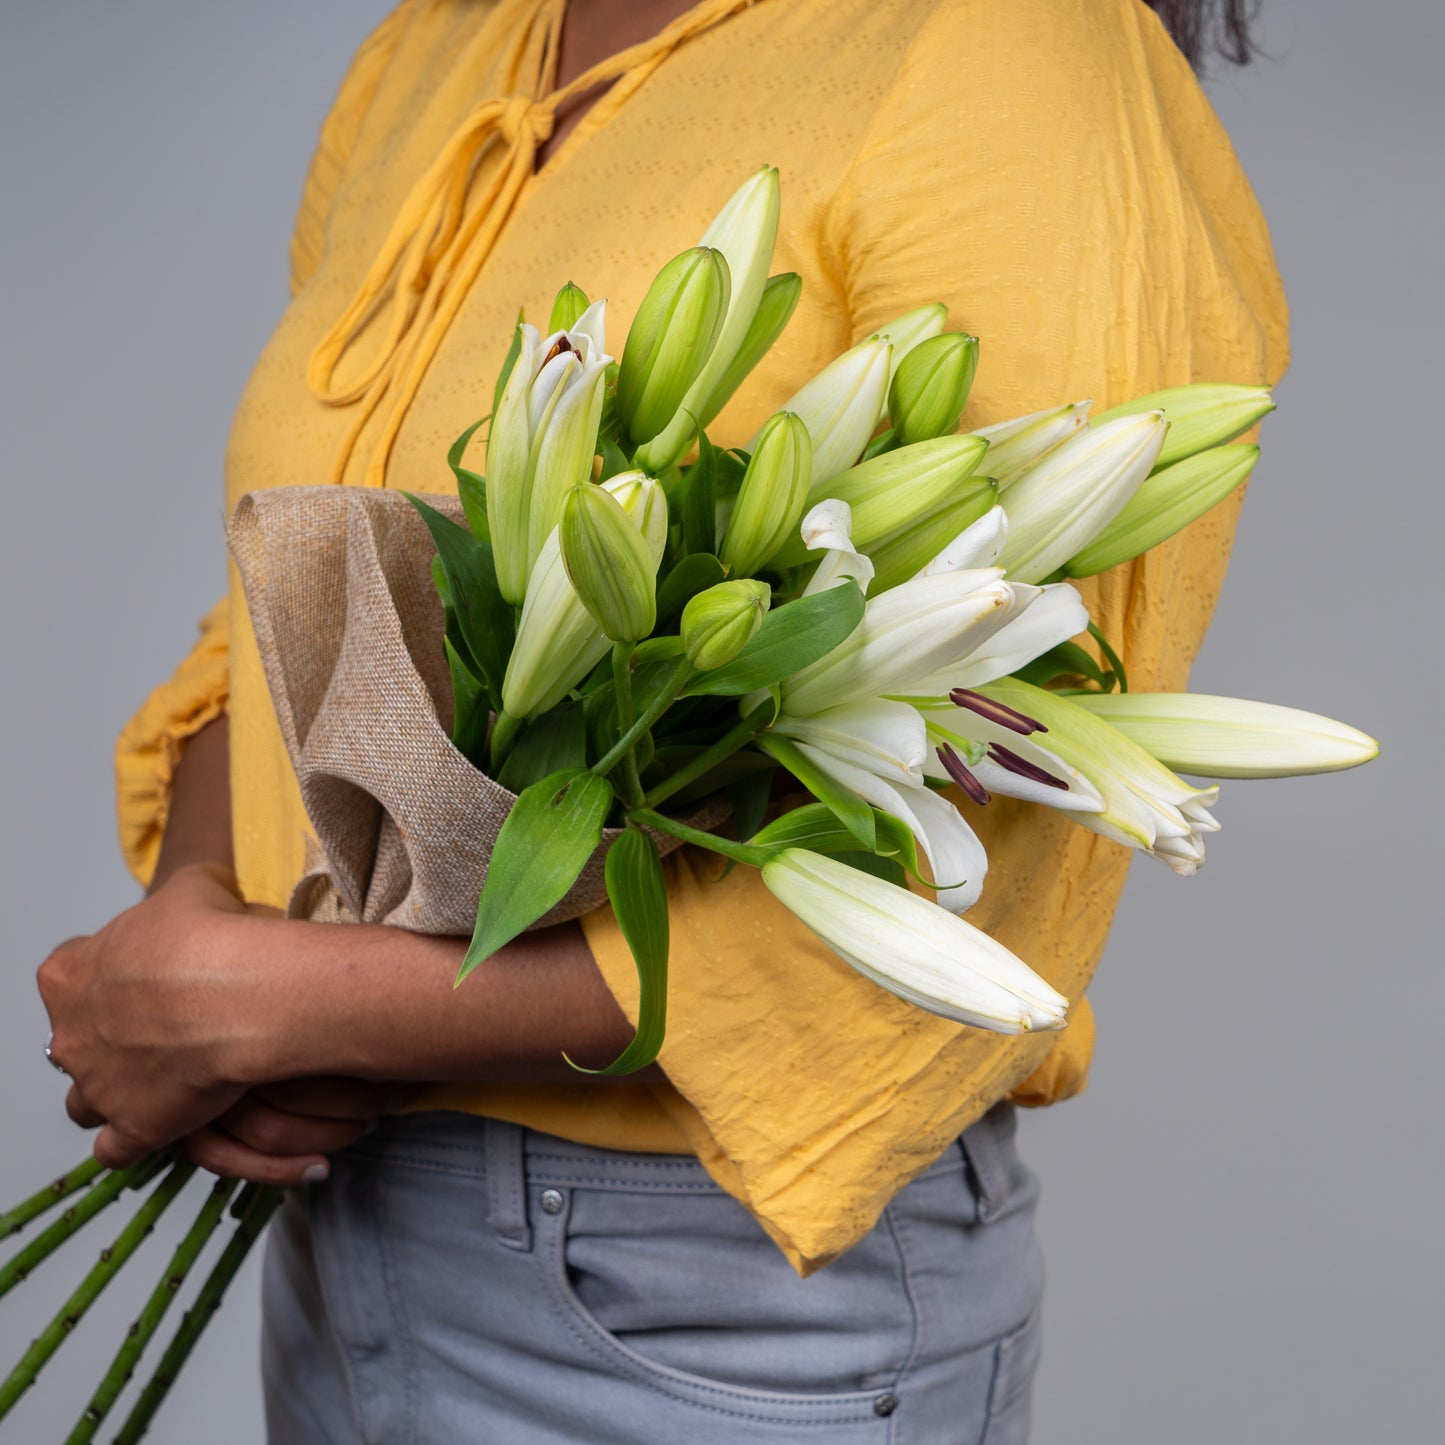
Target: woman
529, 1257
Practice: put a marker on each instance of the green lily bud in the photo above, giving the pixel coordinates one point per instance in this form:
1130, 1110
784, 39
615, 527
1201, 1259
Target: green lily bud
907, 553
771, 495
908, 331
931, 386
569, 308
1015, 446
610, 563
719, 623
775, 310
745, 231
1166, 503
672, 336
891, 493
1200, 416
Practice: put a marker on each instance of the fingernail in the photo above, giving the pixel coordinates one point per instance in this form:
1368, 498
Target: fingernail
315, 1173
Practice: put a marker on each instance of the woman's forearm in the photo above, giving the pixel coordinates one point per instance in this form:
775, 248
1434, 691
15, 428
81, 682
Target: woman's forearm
198, 825
379, 1003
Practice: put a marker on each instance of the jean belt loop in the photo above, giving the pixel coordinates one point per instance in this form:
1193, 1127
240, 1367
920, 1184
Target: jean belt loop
985, 1146
504, 1159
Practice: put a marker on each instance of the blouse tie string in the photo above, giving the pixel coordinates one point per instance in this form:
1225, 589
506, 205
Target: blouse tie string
443, 235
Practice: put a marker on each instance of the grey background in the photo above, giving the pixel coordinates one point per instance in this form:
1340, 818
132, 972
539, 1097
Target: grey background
1241, 1215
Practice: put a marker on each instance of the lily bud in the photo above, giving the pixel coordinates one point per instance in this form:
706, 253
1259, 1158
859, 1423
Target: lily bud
908, 331
1015, 446
569, 308
1227, 737
1059, 506
542, 440
775, 310
558, 640
1166, 503
745, 231
912, 947
719, 623
931, 386
611, 562
1200, 416
771, 496
672, 336
892, 492
908, 552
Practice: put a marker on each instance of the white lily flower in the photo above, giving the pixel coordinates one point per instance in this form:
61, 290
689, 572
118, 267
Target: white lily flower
828, 528
1145, 805
1015, 446
885, 738
907, 634
1228, 737
745, 231
542, 440
978, 545
912, 947
1059, 505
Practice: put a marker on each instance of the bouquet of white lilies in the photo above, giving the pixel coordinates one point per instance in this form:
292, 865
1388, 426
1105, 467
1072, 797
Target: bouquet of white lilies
637, 622
860, 597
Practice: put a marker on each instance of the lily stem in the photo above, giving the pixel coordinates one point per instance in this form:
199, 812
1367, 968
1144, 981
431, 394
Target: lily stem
739, 852
681, 675
149, 1319
14, 1220
732, 741
504, 734
88, 1291
622, 683
262, 1206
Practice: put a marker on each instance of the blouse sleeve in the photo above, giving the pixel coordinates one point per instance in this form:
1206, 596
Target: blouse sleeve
1054, 173
151, 743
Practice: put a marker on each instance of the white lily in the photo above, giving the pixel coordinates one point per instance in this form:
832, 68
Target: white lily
1015, 446
1228, 737
883, 737
912, 947
979, 545
1059, 505
828, 528
542, 440
1145, 805
745, 231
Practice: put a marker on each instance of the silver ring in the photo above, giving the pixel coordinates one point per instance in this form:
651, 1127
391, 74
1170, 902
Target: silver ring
50, 1058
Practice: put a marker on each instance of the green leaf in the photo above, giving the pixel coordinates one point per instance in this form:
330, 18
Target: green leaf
815, 826
484, 620
695, 573
553, 829
638, 895
614, 460
471, 714
854, 814
471, 488
1110, 656
791, 637
890, 870
513, 352
699, 510
749, 798
551, 743
657, 649
1068, 659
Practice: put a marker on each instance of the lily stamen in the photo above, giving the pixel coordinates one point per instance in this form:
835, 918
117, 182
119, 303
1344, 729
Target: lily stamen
957, 769
996, 712
1015, 764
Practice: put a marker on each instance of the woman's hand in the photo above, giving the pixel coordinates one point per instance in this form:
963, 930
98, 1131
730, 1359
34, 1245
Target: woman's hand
151, 1016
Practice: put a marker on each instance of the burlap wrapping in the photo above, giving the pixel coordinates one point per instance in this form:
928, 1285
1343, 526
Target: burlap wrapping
349, 627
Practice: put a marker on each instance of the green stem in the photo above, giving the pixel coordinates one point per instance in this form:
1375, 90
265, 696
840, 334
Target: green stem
731, 742
1110, 656
681, 676
195, 1320
88, 1291
14, 1220
148, 1321
622, 685
504, 734
739, 852
109, 1188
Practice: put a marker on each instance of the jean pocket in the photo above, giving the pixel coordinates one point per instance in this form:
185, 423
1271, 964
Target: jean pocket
686, 1289
1011, 1395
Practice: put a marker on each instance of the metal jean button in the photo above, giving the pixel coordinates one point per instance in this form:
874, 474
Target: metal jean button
552, 1201
885, 1404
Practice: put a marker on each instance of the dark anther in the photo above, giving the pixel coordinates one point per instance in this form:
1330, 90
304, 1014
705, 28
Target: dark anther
562, 344
955, 768
1015, 764
996, 712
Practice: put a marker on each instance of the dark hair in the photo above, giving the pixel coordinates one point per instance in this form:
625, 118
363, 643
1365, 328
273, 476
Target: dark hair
1202, 27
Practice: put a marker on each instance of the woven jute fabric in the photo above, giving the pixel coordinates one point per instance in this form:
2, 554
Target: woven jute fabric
349, 627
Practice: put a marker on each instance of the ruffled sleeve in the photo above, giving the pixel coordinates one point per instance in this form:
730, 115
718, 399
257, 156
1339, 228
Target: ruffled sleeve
1054, 173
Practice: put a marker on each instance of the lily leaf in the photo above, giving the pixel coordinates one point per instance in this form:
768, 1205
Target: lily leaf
693, 574
614, 460
471, 714
638, 896
1068, 659
699, 514
513, 352
890, 870
854, 814
551, 743
749, 798
815, 826
551, 832
791, 637
471, 488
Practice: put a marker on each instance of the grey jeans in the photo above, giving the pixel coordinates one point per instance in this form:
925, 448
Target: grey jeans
464, 1280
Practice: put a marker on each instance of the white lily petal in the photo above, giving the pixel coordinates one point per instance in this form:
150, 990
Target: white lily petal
550, 382
1055, 614
1081, 796
886, 738
592, 324
1015, 446
829, 525
979, 545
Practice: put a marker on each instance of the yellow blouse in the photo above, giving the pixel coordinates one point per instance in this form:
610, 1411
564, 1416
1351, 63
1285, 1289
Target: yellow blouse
1051, 170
